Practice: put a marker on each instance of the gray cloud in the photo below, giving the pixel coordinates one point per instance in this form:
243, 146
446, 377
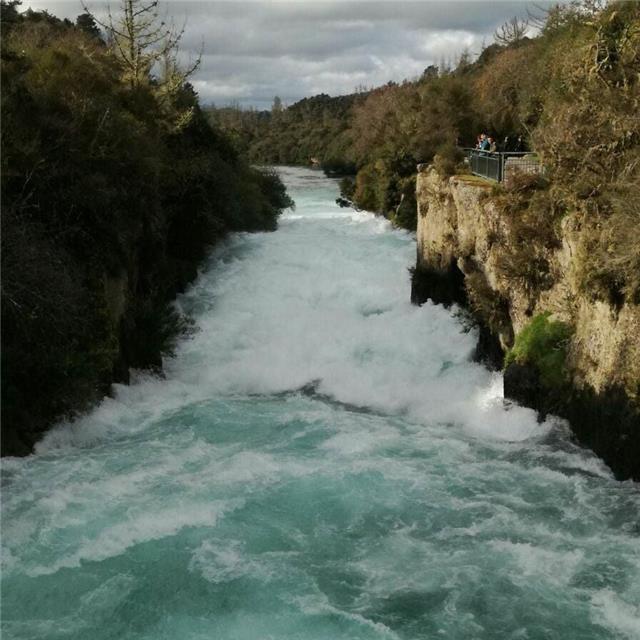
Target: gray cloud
256, 50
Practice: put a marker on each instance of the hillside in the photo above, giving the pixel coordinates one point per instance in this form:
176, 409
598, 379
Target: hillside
566, 350
114, 187
313, 130
570, 93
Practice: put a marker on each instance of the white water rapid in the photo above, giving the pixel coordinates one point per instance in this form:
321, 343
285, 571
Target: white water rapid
323, 461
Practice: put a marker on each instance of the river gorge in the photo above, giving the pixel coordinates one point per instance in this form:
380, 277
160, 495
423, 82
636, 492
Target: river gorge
321, 460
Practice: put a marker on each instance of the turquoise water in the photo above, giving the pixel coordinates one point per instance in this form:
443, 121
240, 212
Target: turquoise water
322, 461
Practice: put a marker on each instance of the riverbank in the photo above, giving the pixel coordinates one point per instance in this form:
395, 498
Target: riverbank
477, 248
113, 193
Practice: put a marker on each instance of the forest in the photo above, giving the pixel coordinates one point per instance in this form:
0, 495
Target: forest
114, 187
565, 80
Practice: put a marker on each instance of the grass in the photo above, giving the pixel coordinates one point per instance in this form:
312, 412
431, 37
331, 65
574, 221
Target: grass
477, 181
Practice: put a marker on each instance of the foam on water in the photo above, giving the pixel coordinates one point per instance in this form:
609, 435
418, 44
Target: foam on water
322, 460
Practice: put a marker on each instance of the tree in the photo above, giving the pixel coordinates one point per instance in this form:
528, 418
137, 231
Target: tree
463, 63
430, 72
9, 15
549, 19
511, 31
86, 22
141, 40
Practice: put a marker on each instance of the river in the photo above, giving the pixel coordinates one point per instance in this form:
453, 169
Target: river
322, 461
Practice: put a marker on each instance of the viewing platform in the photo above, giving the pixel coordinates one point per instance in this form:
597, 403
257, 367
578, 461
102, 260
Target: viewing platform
500, 165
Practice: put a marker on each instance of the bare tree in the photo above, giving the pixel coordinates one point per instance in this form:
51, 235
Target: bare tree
551, 17
142, 40
276, 107
511, 31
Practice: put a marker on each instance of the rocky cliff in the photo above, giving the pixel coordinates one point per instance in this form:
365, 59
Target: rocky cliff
519, 276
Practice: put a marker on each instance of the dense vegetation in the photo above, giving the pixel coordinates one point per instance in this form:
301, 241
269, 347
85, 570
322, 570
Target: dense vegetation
313, 130
114, 185
571, 92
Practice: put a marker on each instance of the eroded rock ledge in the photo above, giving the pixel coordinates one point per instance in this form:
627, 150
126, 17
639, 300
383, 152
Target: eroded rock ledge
470, 251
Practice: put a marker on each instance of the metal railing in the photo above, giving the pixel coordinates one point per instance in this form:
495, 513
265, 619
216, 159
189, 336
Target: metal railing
498, 165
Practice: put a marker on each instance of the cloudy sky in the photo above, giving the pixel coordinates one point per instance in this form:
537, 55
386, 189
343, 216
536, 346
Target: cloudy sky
256, 50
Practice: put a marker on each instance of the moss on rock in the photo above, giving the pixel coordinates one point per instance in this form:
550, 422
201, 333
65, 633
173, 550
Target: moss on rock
543, 343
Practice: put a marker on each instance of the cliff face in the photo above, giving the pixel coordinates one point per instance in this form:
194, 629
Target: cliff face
470, 250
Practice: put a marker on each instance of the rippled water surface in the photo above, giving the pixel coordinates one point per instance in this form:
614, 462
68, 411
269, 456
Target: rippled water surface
322, 461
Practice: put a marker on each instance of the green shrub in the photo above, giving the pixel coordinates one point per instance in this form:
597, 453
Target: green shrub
607, 260
347, 187
405, 215
447, 159
531, 224
373, 187
543, 344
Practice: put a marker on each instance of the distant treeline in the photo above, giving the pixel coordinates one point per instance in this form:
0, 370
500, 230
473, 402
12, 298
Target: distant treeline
571, 92
316, 129
114, 186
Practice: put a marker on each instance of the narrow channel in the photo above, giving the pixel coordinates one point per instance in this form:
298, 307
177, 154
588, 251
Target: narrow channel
322, 460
